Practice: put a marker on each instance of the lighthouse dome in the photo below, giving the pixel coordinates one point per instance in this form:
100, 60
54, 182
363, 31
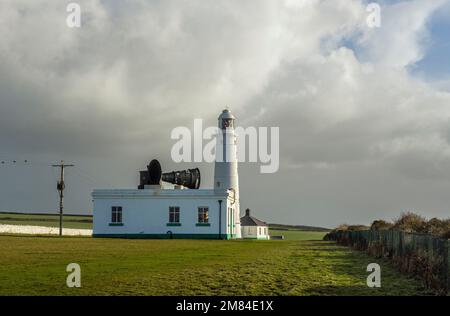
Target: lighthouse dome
226, 119
226, 114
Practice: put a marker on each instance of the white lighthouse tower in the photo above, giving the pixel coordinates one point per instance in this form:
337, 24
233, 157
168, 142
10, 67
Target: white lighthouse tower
226, 169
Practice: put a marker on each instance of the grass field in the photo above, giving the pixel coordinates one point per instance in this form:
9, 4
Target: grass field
37, 266
297, 234
70, 221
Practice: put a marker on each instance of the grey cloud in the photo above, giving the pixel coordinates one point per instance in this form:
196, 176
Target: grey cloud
353, 130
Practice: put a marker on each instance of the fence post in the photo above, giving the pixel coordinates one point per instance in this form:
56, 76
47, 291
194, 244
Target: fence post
402, 245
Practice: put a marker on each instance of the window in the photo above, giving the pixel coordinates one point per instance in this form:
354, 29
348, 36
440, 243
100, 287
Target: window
203, 215
174, 214
260, 230
226, 123
116, 214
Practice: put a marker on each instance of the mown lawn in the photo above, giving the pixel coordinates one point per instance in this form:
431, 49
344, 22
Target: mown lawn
37, 266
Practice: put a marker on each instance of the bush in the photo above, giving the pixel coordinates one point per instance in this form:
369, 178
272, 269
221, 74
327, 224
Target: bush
345, 227
438, 227
411, 223
446, 235
381, 225
355, 228
341, 227
407, 222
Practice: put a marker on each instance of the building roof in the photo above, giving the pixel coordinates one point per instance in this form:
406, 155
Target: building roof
161, 193
248, 220
226, 114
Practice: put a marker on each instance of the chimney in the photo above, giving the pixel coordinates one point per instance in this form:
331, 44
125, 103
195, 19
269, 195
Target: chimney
247, 212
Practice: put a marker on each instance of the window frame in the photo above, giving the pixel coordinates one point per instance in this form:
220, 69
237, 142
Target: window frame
174, 215
116, 215
201, 216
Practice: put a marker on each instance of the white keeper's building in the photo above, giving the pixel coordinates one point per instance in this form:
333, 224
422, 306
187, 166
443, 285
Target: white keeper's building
253, 228
156, 212
165, 213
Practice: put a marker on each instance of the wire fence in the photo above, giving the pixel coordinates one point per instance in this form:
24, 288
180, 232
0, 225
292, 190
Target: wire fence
425, 256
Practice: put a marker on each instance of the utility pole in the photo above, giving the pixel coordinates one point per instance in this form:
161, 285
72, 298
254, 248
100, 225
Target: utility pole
61, 186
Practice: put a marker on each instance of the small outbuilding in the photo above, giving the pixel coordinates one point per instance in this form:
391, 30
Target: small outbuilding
253, 228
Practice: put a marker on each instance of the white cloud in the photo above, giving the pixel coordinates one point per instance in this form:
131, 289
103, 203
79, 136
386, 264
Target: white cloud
136, 69
403, 38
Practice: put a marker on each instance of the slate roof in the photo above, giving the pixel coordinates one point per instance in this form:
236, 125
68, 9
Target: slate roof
248, 220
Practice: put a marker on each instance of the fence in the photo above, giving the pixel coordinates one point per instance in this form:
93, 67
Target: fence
425, 256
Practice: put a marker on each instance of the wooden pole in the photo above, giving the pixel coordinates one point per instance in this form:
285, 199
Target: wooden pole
61, 187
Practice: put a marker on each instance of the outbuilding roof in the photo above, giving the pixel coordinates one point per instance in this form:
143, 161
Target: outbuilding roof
248, 220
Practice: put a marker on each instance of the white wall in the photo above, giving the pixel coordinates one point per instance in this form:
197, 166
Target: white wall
146, 212
255, 232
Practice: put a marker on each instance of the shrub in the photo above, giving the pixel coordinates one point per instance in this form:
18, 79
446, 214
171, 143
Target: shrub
446, 235
341, 227
438, 227
354, 228
381, 225
411, 223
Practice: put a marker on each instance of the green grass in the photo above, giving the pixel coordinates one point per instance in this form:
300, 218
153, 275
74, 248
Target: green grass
298, 227
297, 234
37, 266
50, 220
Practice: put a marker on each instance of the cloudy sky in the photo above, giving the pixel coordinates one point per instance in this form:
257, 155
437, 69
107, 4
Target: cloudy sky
364, 113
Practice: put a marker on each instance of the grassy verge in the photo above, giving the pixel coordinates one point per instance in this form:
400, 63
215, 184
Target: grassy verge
36, 266
50, 220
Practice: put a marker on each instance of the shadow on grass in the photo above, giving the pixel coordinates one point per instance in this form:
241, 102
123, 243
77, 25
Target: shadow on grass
352, 263
358, 290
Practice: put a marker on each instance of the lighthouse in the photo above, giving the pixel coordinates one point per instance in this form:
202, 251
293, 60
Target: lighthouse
180, 208
226, 169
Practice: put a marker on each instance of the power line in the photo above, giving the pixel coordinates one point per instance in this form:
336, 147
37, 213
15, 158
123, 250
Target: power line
3, 162
60, 184
84, 176
24, 162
